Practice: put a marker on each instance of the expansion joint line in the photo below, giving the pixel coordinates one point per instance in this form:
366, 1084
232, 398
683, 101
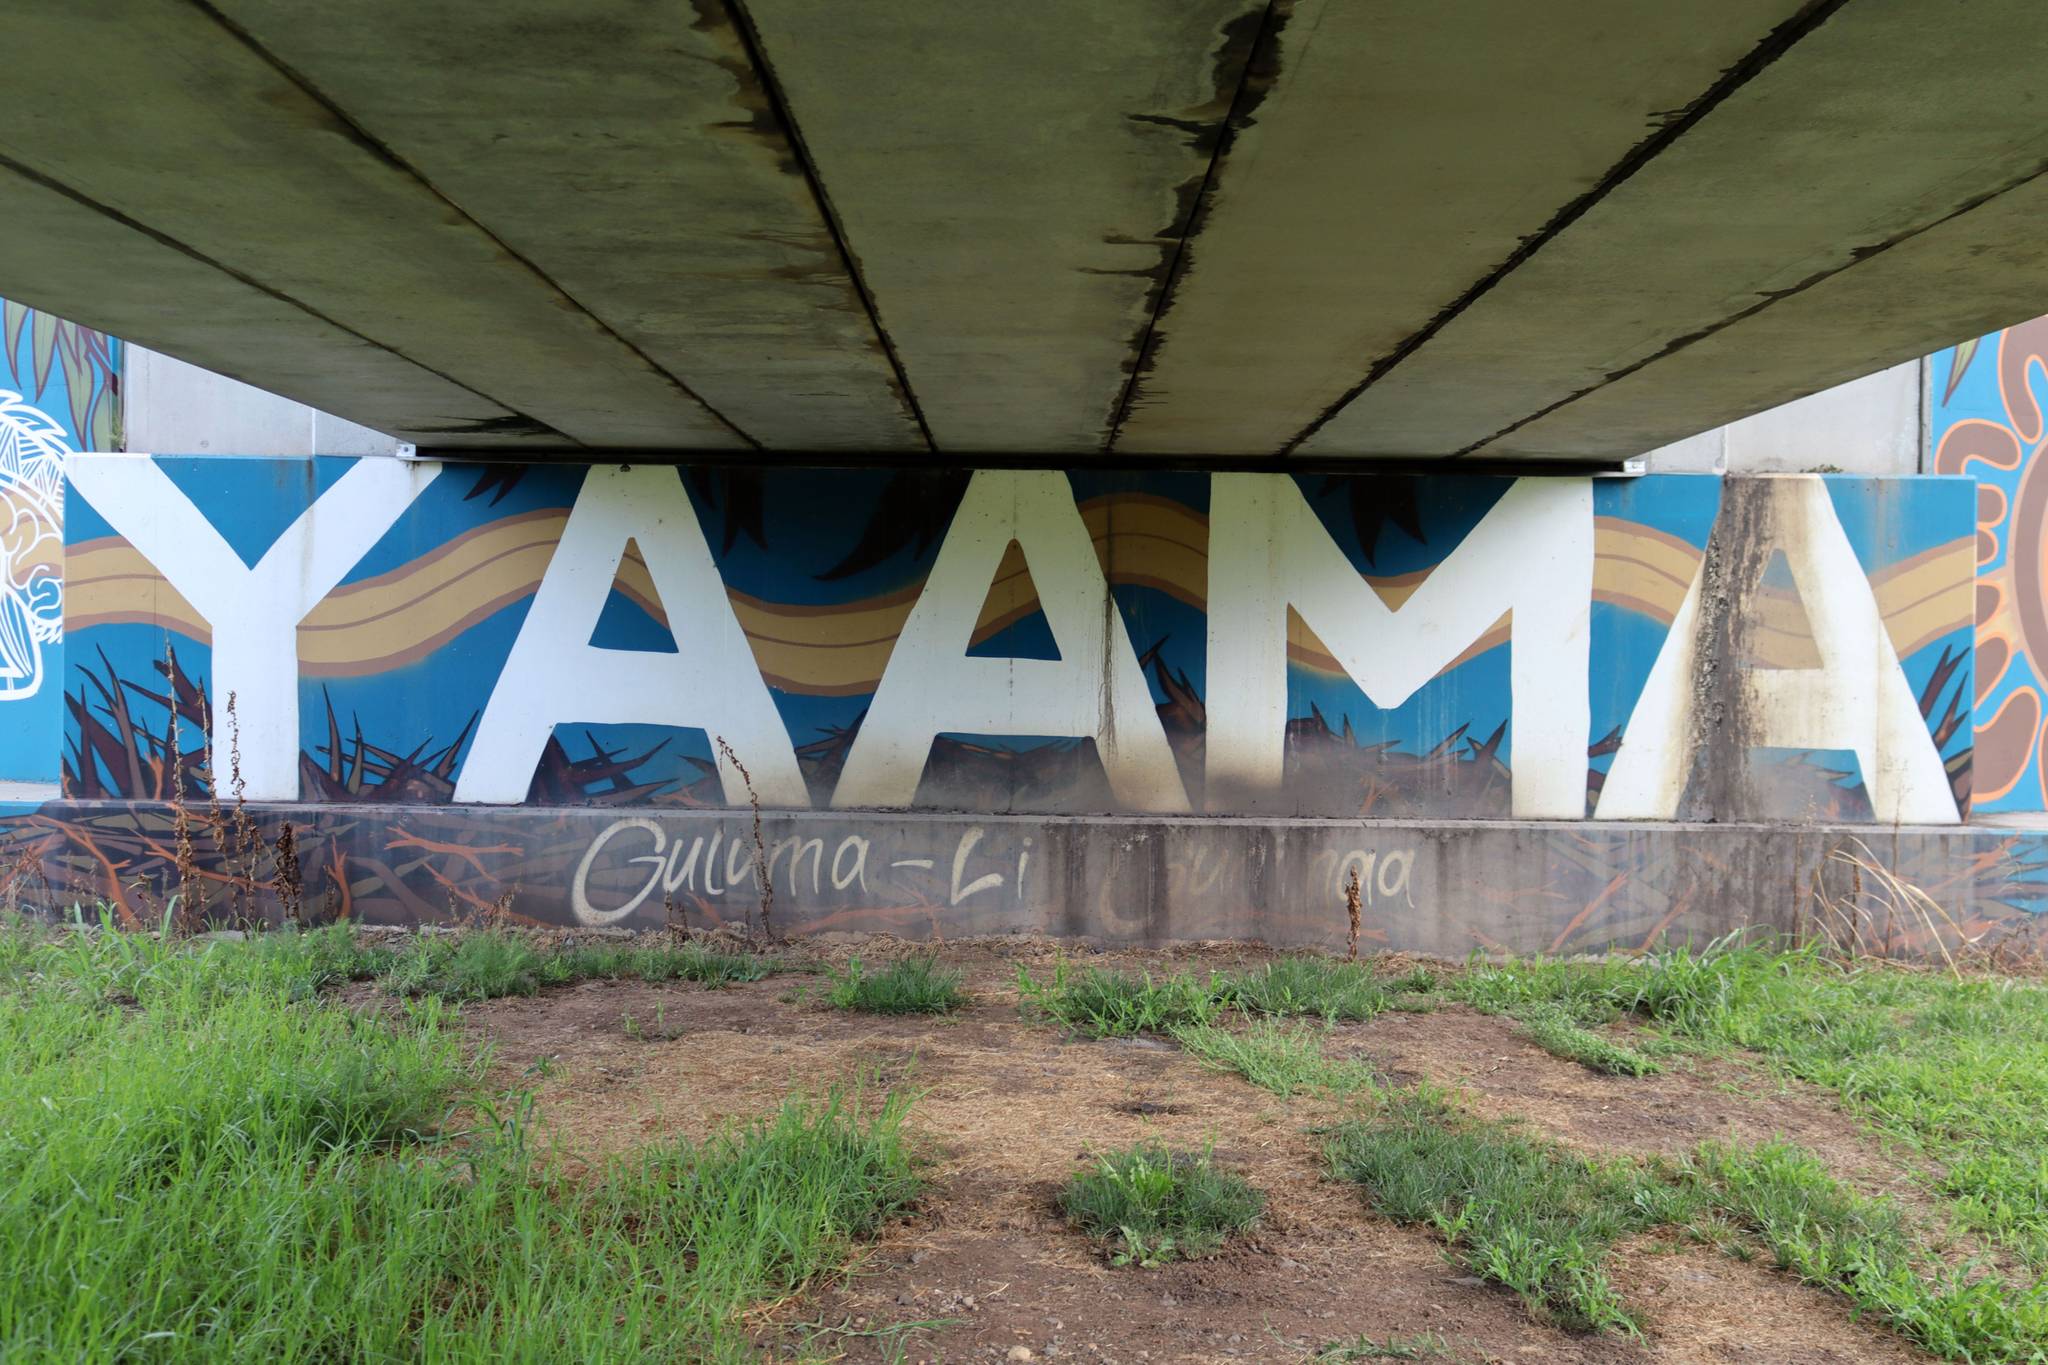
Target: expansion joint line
778, 105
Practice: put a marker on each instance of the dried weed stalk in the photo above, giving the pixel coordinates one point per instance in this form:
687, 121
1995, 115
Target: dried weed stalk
1351, 908
247, 841
1883, 916
191, 896
286, 882
761, 882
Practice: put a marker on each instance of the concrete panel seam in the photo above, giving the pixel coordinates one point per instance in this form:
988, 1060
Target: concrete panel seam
771, 87
1255, 80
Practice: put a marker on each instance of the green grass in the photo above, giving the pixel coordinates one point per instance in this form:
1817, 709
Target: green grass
1553, 1030
1286, 1059
1827, 1234
204, 1158
1104, 1004
1150, 1205
1321, 987
1955, 1068
487, 964
202, 1161
1542, 1221
1519, 1211
911, 985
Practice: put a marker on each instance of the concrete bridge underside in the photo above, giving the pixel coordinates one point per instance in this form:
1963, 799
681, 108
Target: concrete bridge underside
1326, 229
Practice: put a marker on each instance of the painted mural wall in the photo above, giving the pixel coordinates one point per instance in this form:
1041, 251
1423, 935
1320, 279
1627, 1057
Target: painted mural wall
1986, 422
410, 693
59, 392
1792, 648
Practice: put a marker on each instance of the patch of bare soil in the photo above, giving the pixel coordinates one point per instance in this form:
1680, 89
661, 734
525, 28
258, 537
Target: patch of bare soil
1705, 1308
1007, 1110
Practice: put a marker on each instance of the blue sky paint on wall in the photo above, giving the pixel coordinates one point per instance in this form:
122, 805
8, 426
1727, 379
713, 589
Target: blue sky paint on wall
59, 392
1024, 640
1986, 422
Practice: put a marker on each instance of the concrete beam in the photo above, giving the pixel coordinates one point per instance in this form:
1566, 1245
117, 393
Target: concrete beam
168, 406
60, 253
1964, 276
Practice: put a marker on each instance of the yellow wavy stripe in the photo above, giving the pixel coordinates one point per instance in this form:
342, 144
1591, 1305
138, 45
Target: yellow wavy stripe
401, 616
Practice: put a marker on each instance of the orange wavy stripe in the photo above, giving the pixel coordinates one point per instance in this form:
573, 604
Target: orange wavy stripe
398, 617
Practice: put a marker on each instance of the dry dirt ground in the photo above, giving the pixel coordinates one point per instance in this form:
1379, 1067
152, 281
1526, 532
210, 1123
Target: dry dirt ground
1007, 1109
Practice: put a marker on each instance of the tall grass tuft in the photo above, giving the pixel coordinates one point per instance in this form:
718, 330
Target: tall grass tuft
1106, 1004
1553, 1030
1103, 1004
1519, 1211
1310, 986
1152, 1205
1286, 1059
489, 964
911, 985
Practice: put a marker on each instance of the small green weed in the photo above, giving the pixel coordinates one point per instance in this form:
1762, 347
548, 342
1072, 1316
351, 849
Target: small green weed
911, 985
643, 1030
1151, 1205
1286, 1059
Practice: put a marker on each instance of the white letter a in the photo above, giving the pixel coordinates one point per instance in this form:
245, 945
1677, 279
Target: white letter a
1095, 689
555, 674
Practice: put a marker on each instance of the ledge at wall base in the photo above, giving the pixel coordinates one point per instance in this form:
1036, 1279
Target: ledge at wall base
1445, 887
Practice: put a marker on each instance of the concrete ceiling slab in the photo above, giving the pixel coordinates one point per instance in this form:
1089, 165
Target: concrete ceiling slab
208, 143
629, 151
1258, 231
64, 252
1013, 179
1882, 118
1369, 189
1934, 281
